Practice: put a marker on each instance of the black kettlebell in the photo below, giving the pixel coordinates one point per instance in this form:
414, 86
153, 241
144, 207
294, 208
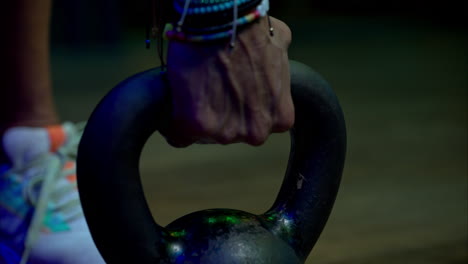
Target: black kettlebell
118, 215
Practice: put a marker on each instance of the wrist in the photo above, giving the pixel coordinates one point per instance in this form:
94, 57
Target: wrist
220, 19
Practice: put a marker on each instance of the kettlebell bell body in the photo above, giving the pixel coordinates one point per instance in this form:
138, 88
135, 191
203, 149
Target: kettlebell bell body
225, 236
119, 218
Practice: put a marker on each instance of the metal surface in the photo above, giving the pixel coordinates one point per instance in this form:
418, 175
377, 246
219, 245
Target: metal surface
119, 218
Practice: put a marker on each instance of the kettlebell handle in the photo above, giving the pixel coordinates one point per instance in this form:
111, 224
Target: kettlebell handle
109, 181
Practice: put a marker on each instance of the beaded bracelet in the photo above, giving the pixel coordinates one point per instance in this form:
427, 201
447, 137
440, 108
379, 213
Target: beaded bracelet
197, 22
218, 7
174, 32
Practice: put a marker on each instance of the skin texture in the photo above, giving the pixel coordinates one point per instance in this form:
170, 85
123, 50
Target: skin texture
227, 95
24, 53
220, 95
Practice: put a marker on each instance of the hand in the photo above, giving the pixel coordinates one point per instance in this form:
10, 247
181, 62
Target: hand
227, 95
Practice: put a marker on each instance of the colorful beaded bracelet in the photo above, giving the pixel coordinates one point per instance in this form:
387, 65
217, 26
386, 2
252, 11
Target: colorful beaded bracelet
175, 33
218, 7
208, 2
172, 34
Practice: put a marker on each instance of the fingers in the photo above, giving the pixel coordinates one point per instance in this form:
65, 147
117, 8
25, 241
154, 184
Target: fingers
259, 128
253, 130
176, 138
228, 96
188, 128
275, 116
284, 119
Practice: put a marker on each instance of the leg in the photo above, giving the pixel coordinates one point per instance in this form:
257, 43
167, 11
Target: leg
26, 90
46, 225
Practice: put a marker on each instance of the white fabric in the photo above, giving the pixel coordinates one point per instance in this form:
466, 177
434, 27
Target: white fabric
24, 144
28, 150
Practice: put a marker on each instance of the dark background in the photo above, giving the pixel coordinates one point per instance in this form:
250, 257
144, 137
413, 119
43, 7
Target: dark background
399, 69
79, 22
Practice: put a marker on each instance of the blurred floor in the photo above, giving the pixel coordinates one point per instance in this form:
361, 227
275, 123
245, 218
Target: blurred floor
403, 88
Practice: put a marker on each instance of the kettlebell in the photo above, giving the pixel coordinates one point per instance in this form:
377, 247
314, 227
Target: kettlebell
118, 216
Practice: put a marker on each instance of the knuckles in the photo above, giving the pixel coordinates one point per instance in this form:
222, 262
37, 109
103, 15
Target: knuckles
285, 122
234, 134
256, 139
193, 124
